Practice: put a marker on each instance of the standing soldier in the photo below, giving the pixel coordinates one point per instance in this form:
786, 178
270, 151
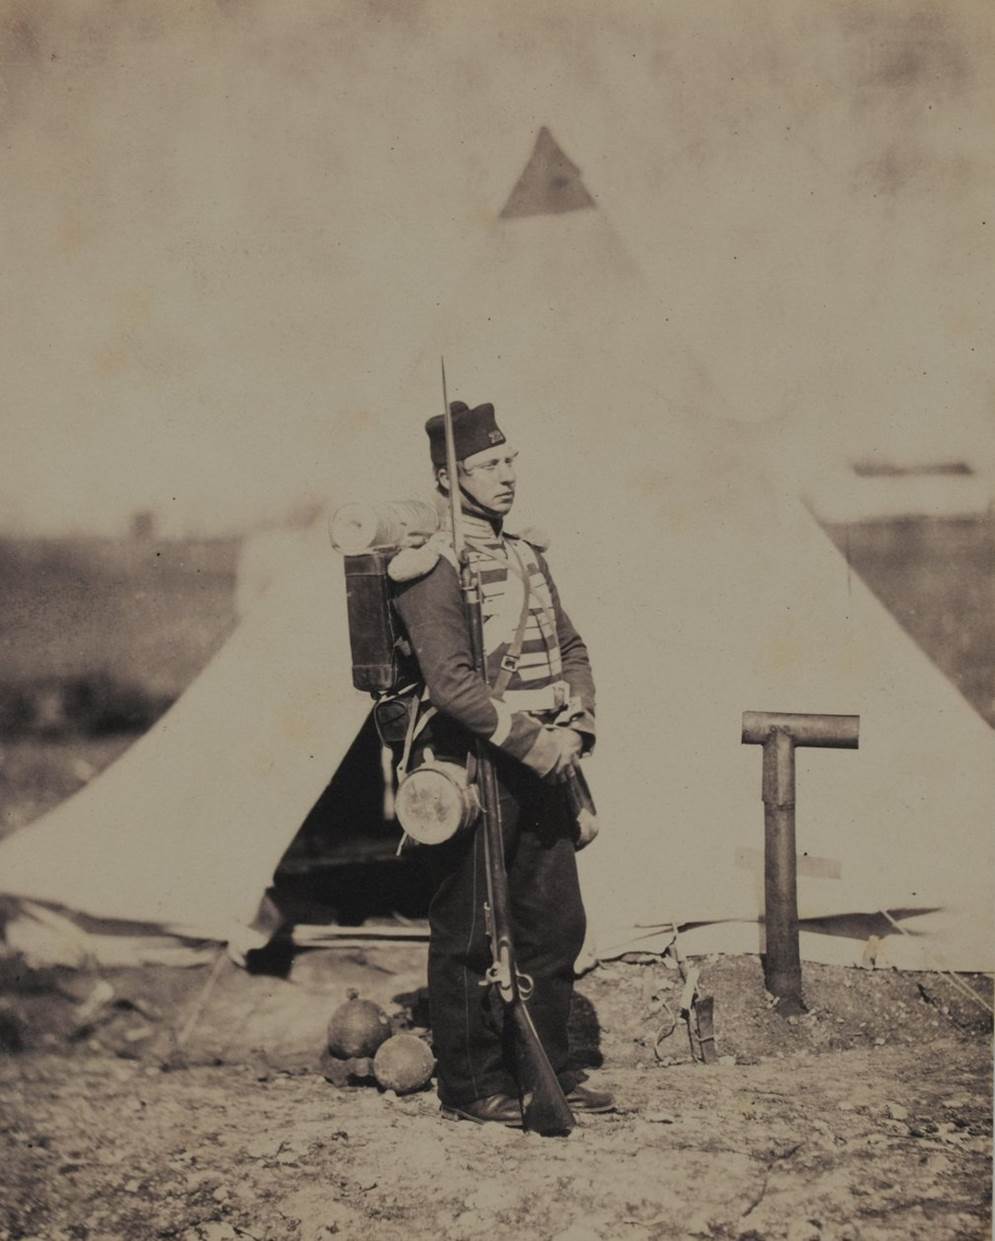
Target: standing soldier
537, 712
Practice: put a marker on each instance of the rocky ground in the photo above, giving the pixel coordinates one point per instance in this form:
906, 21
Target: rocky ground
869, 1117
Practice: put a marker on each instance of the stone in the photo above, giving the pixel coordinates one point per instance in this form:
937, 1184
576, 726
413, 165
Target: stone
470, 1223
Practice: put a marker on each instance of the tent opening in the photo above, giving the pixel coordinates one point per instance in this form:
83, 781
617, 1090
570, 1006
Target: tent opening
342, 866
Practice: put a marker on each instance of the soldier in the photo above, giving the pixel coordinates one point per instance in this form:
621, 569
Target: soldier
537, 712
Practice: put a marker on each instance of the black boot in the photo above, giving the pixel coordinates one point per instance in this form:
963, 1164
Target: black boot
502, 1109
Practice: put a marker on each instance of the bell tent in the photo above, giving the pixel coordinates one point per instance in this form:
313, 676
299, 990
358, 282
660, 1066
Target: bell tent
703, 587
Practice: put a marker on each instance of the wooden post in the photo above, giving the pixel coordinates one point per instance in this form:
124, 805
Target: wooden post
779, 733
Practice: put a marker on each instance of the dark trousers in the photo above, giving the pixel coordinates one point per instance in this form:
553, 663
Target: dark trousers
474, 1053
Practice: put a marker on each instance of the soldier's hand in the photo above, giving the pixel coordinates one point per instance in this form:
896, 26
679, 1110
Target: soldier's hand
569, 743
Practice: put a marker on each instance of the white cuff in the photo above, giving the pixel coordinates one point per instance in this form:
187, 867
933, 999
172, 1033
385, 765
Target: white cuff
505, 719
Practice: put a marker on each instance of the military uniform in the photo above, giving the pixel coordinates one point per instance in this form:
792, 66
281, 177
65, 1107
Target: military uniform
538, 671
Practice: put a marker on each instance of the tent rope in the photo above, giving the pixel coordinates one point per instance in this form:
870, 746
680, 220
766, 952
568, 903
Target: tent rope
965, 989
200, 1002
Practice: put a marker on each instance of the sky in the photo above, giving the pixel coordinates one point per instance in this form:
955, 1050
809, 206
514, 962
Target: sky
229, 226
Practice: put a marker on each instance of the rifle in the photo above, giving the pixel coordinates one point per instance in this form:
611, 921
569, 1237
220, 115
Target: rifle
544, 1106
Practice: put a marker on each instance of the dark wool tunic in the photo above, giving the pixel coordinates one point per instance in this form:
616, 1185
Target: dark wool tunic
431, 608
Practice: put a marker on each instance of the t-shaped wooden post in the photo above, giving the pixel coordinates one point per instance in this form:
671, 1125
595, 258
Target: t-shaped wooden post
779, 733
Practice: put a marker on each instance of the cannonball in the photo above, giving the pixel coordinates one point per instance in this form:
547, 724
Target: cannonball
403, 1063
357, 1028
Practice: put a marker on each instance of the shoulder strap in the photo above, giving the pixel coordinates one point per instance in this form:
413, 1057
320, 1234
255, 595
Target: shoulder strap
416, 723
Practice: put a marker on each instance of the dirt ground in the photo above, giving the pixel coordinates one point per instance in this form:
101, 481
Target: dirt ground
868, 1117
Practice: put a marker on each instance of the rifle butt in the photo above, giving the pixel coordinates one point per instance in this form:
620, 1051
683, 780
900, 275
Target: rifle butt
544, 1105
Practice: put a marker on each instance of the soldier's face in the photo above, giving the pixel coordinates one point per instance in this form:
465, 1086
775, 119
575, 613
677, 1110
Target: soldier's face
488, 478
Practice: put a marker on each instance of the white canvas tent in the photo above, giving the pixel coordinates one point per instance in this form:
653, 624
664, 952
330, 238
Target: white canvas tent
184, 831
703, 588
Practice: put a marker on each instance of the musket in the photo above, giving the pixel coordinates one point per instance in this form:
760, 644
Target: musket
544, 1105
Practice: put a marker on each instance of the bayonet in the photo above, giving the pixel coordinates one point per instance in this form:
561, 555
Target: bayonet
452, 471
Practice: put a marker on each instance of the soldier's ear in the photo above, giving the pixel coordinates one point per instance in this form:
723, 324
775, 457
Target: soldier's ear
442, 478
